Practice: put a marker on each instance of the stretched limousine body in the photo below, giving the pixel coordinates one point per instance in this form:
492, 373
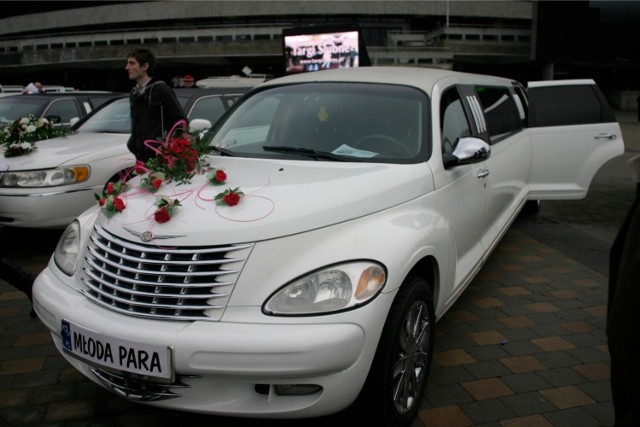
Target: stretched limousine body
300, 267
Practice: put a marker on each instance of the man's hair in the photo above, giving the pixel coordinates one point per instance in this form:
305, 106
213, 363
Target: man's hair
144, 56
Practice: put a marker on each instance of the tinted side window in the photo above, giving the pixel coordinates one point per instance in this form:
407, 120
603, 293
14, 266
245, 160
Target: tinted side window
453, 121
63, 109
209, 108
500, 111
568, 105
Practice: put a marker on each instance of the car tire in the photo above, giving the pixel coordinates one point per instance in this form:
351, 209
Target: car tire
394, 388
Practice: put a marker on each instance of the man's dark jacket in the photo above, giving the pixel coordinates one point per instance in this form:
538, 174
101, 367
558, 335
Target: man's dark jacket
154, 111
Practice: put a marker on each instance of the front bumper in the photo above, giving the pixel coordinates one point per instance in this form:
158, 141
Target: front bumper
44, 208
231, 368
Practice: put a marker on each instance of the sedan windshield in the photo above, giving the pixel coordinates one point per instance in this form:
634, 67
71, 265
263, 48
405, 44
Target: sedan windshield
15, 107
328, 122
114, 117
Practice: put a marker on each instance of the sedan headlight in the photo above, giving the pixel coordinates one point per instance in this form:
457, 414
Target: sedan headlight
66, 252
331, 289
47, 177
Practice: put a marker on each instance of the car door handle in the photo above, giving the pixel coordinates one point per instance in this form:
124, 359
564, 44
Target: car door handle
606, 136
483, 172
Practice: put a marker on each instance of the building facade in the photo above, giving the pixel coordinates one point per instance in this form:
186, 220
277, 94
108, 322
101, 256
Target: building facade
84, 44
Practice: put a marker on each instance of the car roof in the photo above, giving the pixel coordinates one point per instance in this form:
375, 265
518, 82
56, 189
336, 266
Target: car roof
422, 78
77, 93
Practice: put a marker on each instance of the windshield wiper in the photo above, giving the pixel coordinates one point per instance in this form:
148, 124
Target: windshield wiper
308, 152
221, 151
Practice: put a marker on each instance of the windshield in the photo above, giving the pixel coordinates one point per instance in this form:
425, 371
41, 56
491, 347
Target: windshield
114, 117
13, 108
328, 121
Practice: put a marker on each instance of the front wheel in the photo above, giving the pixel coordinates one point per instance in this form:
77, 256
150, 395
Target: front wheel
398, 375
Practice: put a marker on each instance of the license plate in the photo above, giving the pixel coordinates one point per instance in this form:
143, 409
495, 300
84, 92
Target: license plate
122, 355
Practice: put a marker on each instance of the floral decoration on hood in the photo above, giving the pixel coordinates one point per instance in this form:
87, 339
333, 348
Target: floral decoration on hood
20, 137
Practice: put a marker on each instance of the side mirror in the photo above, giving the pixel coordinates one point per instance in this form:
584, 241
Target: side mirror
468, 150
73, 121
197, 125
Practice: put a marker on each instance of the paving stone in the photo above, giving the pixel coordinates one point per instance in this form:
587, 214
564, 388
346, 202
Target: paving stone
573, 417
567, 397
562, 377
446, 416
70, 410
487, 369
486, 411
445, 395
525, 404
488, 388
522, 364
527, 382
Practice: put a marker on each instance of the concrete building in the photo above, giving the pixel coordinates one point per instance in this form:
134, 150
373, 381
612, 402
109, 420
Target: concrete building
84, 44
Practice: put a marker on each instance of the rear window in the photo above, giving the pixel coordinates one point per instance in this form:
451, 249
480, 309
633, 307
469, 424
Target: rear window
568, 105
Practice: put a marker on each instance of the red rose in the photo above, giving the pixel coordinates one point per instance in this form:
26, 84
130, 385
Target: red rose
156, 183
118, 204
101, 201
220, 176
190, 157
182, 142
162, 215
174, 149
232, 199
139, 168
110, 188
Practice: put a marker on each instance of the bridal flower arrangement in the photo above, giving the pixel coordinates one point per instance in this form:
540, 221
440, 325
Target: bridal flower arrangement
178, 159
20, 137
110, 200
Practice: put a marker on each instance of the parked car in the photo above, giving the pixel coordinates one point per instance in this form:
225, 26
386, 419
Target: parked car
53, 185
366, 200
11, 89
63, 108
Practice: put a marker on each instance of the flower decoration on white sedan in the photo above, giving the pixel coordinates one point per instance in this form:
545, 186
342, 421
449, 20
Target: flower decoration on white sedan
152, 182
217, 177
178, 158
230, 197
20, 137
110, 200
166, 209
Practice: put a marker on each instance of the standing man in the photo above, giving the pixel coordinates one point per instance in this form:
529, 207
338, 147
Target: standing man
154, 106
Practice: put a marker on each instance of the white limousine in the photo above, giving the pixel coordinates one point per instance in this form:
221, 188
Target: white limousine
301, 269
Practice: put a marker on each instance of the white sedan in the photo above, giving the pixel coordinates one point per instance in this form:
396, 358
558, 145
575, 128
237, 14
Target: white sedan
51, 186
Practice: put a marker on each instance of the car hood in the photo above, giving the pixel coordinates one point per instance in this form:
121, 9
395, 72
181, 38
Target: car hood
280, 198
77, 148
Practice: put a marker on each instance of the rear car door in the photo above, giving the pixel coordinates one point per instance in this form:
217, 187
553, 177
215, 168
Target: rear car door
508, 166
573, 133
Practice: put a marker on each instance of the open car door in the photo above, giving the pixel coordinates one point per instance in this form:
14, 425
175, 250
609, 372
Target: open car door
573, 133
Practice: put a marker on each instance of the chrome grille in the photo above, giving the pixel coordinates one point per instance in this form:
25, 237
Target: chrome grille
140, 390
177, 283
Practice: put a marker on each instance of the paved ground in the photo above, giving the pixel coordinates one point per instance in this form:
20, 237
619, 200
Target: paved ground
524, 346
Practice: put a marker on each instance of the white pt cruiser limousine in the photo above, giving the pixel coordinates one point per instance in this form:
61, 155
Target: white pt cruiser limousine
301, 273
